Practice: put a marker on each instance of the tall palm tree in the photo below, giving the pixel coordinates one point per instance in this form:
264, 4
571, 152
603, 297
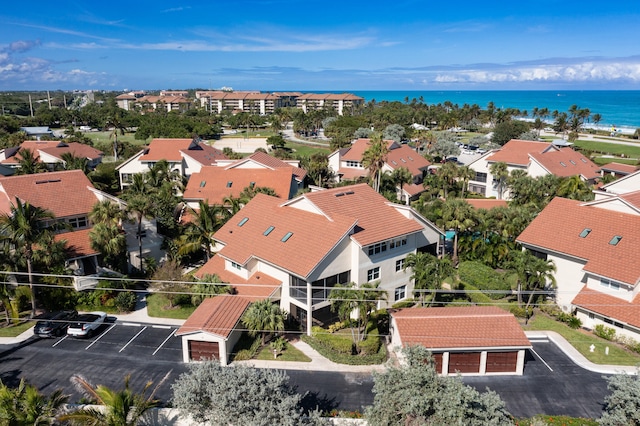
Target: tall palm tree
263, 317
500, 174
207, 219
428, 272
107, 211
23, 229
574, 188
117, 128
140, 203
374, 158
459, 216
465, 173
71, 162
122, 407
401, 177
25, 405
29, 164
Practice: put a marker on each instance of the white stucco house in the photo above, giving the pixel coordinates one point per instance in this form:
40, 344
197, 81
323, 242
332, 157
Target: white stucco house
295, 251
536, 159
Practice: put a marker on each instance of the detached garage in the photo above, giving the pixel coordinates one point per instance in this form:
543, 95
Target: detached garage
211, 331
475, 340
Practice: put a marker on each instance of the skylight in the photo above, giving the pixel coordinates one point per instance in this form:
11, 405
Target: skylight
585, 232
268, 231
203, 183
243, 221
583, 160
572, 162
229, 184
562, 164
252, 184
615, 240
286, 237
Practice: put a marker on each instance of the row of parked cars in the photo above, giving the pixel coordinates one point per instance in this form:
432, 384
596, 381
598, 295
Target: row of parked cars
56, 324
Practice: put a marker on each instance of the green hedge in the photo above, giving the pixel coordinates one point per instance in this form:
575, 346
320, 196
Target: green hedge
483, 277
334, 347
474, 295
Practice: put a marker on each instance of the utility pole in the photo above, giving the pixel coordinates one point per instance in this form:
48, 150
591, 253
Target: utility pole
49, 99
30, 105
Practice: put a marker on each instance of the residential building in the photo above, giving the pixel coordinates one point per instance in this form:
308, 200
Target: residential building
346, 164
186, 156
302, 248
254, 102
617, 170
37, 131
50, 153
594, 246
70, 196
477, 340
214, 183
339, 102
536, 159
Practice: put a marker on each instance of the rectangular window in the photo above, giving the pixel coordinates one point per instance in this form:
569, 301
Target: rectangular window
400, 293
481, 177
236, 265
377, 248
609, 284
373, 274
353, 164
229, 184
398, 242
78, 222
399, 265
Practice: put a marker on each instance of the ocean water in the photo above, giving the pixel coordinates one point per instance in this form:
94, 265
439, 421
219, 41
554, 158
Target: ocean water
619, 108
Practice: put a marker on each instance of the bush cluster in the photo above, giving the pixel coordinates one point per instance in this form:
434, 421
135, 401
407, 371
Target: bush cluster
571, 320
474, 295
483, 278
605, 332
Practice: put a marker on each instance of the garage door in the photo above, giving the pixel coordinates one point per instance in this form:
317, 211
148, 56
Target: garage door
203, 350
464, 362
502, 362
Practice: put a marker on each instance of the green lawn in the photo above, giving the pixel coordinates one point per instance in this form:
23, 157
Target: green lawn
610, 148
103, 137
15, 330
307, 150
582, 340
157, 306
289, 354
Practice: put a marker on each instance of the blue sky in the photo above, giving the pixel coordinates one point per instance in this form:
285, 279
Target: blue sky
320, 45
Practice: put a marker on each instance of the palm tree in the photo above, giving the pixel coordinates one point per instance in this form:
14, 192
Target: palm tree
459, 216
402, 176
22, 230
26, 406
118, 127
465, 173
207, 219
122, 407
574, 188
29, 164
500, 174
263, 317
106, 211
447, 175
140, 203
111, 242
374, 158
428, 272
71, 162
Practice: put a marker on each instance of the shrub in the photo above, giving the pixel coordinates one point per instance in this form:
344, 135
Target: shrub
574, 322
404, 304
370, 345
125, 301
550, 308
474, 295
247, 354
521, 312
336, 326
483, 277
340, 343
606, 333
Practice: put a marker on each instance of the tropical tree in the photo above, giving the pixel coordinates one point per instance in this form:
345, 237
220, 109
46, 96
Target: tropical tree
622, 405
415, 394
532, 273
458, 215
26, 406
465, 173
447, 175
209, 286
71, 162
500, 174
206, 221
374, 158
361, 300
122, 407
428, 272
140, 204
111, 242
263, 317
401, 177
29, 164
22, 230
117, 127
574, 188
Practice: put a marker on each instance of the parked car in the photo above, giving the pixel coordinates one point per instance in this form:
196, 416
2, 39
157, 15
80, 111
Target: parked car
86, 324
54, 324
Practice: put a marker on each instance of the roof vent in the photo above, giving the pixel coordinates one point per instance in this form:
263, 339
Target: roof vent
583, 160
349, 193
340, 194
38, 182
572, 162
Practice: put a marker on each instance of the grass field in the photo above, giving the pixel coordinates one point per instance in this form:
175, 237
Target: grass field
16, 330
103, 137
157, 307
609, 148
582, 340
291, 353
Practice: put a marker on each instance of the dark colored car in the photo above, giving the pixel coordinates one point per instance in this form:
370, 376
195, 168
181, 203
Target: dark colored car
54, 324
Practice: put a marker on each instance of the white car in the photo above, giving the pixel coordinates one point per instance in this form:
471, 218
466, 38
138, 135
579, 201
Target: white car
86, 324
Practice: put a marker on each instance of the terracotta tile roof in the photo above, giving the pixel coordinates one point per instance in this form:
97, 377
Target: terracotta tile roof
632, 198
413, 189
79, 150
619, 168
126, 96
404, 156
459, 327
609, 306
14, 157
217, 315
349, 173
517, 152
377, 219
204, 154
487, 204
558, 228
63, 193
166, 149
296, 254
212, 182
78, 243
567, 162
258, 286
357, 149
270, 162
330, 96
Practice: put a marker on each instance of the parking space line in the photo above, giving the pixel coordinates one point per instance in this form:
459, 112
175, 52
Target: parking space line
133, 338
131, 324
99, 337
165, 327
165, 341
59, 341
543, 361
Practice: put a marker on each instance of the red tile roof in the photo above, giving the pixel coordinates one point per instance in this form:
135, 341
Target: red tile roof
485, 203
516, 152
567, 162
259, 285
404, 156
296, 254
211, 183
204, 154
79, 150
377, 219
350, 173
64, 193
632, 198
217, 315
166, 149
357, 149
270, 162
619, 168
459, 327
609, 306
78, 243
558, 227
